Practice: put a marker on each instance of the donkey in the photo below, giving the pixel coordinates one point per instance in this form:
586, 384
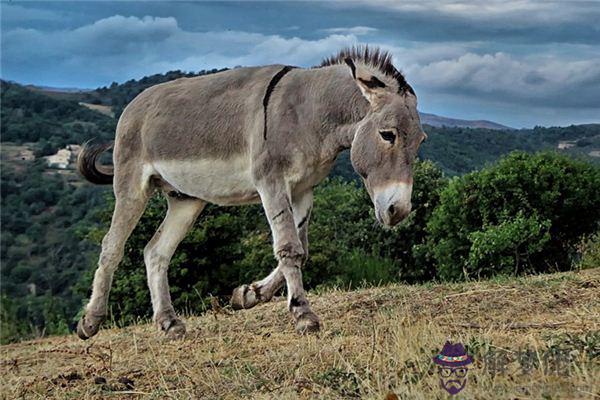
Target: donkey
260, 134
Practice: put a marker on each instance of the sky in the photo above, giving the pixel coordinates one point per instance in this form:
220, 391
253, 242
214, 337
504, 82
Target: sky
517, 62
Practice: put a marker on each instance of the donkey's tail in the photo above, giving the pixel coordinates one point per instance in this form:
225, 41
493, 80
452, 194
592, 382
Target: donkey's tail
89, 168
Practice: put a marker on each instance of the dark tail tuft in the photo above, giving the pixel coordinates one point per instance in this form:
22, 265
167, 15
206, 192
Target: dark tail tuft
89, 169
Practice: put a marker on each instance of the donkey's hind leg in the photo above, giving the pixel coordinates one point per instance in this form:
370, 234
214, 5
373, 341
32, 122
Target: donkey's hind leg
129, 207
180, 217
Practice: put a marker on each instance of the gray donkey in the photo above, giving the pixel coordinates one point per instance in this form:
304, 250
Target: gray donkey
248, 135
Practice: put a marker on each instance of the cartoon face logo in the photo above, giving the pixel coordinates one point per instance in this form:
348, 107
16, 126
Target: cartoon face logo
452, 367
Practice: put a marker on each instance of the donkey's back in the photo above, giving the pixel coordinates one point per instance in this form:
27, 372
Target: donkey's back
211, 115
193, 136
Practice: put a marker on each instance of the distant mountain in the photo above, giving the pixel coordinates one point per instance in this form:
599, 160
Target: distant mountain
439, 122
57, 89
72, 94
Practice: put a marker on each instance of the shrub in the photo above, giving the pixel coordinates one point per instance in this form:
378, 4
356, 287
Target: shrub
589, 250
526, 213
357, 269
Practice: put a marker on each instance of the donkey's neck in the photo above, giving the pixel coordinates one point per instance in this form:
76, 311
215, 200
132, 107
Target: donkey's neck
341, 105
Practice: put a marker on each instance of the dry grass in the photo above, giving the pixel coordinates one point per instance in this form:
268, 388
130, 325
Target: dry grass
102, 109
374, 342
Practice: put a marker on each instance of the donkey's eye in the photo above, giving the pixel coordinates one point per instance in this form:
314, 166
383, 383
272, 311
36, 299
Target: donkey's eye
388, 136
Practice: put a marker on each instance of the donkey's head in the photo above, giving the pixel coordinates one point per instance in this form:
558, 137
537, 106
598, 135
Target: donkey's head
387, 139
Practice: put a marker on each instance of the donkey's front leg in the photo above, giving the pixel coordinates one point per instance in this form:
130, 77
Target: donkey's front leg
289, 252
247, 296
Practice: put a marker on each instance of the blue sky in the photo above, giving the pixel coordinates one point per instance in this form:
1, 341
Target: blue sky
518, 62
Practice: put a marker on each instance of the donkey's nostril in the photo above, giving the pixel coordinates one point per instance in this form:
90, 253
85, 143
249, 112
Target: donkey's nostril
391, 209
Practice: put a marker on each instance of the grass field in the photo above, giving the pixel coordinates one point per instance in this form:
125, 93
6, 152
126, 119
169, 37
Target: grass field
530, 338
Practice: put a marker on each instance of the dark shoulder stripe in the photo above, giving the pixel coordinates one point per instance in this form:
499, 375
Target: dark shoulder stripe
270, 89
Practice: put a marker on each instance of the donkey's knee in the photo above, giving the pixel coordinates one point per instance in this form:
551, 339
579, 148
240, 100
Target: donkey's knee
291, 251
109, 259
154, 259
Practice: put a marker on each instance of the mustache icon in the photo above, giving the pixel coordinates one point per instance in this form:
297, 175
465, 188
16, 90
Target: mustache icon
454, 383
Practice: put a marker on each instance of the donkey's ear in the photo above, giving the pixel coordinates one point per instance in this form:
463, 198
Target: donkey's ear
370, 86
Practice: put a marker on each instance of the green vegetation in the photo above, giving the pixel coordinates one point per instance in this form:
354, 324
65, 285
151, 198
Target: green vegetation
50, 123
41, 248
119, 95
525, 214
462, 150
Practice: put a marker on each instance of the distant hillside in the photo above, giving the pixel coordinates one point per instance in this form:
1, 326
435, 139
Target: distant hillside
118, 95
43, 209
72, 94
49, 122
439, 121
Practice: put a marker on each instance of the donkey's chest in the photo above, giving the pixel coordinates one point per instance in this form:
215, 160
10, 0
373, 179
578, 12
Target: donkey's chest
223, 182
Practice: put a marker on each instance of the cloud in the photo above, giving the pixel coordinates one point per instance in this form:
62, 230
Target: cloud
533, 80
525, 11
355, 30
119, 46
515, 21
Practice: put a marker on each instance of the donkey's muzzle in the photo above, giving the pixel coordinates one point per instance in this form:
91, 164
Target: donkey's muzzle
393, 214
392, 204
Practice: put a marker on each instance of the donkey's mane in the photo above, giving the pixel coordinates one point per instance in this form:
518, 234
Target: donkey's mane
374, 57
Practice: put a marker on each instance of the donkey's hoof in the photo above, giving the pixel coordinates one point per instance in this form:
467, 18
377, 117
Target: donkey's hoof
174, 329
244, 296
308, 323
88, 327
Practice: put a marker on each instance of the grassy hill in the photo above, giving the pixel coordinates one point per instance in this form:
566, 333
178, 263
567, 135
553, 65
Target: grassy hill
535, 337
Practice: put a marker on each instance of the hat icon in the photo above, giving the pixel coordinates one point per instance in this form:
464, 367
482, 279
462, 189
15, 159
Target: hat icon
453, 355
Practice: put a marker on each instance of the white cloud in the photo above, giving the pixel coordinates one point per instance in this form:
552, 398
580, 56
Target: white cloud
529, 12
119, 46
355, 30
532, 80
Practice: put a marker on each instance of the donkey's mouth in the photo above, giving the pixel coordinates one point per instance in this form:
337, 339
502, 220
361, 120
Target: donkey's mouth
392, 203
392, 215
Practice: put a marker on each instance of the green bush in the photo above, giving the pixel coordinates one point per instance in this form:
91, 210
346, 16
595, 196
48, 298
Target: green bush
357, 269
526, 213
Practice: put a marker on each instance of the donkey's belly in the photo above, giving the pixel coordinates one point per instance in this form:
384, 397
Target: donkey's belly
223, 182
